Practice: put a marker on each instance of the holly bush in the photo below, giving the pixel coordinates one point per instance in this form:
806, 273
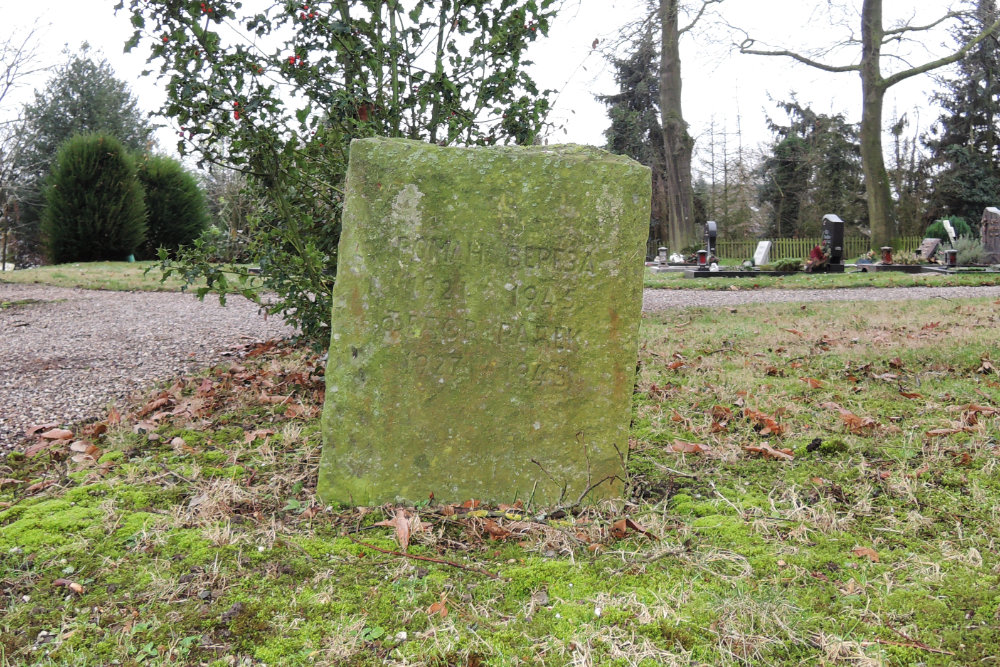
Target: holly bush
94, 206
280, 93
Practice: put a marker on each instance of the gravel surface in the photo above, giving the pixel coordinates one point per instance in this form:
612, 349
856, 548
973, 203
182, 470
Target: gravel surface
65, 354
664, 299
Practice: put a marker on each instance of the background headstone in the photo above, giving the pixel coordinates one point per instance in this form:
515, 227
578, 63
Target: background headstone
762, 255
950, 230
833, 237
989, 233
485, 323
929, 247
711, 235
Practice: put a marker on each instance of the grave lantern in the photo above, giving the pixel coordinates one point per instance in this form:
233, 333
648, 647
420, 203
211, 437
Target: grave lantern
886, 254
702, 259
951, 257
661, 254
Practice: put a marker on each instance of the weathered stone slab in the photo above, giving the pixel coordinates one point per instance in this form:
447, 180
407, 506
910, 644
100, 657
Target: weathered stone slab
989, 233
929, 247
485, 323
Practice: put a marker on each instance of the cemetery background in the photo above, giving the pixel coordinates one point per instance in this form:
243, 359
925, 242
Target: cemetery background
776, 484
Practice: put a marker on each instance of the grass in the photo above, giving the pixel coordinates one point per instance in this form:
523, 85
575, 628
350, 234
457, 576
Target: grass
809, 484
676, 280
120, 276
132, 276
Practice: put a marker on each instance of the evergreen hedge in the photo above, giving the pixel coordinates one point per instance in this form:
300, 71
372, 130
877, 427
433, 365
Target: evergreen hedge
94, 209
175, 203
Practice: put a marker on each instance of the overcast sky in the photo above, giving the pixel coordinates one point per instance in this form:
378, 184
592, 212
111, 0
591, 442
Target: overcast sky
720, 87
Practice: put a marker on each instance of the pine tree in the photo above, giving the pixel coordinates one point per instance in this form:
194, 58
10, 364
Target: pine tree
82, 96
965, 143
635, 123
815, 169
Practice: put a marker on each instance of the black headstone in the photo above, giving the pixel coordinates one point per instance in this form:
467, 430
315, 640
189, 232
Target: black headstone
833, 237
711, 232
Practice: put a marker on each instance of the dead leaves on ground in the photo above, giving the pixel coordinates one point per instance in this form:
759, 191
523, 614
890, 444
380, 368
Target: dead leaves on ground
471, 524
762, 423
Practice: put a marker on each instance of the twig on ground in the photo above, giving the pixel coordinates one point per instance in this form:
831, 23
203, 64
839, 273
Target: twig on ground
428, 559
674, 472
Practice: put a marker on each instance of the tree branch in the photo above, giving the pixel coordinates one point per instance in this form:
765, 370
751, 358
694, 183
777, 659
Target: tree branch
701, 12
921, 28
892, 80
747, 43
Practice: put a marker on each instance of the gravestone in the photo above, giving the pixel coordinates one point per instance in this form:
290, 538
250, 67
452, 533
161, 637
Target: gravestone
950, 230
929, 247
762, 255
833, 237
485, 323
989, 233
711, 234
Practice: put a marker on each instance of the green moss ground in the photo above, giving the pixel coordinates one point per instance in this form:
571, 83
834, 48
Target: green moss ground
872, 542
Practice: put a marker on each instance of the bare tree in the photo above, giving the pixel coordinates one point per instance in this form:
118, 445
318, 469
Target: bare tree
678, 143
874, 84
17, 64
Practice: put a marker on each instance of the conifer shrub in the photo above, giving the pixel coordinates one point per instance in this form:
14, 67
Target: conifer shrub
936, 229
94, 207
175, 203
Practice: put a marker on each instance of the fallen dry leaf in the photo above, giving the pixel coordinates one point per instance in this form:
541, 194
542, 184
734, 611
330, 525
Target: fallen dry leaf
812, 382
620, 528
37, 448
764, 424
866, 552
941, 432
34, 430
263, 433
794, 331
39, 486
495, 530
71, 585
769, 452
57, 434
440, 608
682, 447
153, 405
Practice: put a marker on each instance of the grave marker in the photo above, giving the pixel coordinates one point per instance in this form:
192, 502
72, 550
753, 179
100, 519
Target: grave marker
950, 230
833, 237
485, 323
989, 232
929, 247
762, 255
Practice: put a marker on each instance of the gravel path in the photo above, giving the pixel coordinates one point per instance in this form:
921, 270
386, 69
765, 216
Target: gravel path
665, 299
67, 353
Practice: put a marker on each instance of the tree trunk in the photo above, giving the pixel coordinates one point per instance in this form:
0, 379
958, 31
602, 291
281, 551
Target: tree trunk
678, 144
872, 98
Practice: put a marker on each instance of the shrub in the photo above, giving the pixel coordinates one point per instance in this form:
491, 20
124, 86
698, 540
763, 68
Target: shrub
970, 251
175, 204
94, 206
936, 229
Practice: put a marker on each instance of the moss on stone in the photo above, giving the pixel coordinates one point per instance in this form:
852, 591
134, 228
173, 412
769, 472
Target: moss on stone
485, 323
